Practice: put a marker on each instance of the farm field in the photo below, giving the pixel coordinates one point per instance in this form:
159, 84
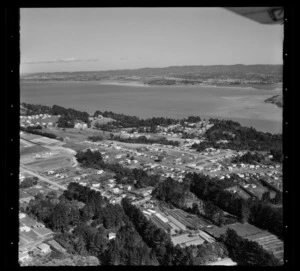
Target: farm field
25, 143
269, 242
29, 137
242, 230
75, 134
47, 141
50, 164
32, 149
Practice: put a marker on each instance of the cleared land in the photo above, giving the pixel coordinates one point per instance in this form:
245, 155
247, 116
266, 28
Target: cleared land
50, 164
46, 140
32, 149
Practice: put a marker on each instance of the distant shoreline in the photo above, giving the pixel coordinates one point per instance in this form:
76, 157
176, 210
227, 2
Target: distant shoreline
141, 84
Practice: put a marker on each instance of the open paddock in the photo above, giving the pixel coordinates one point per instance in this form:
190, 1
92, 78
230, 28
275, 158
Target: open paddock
47, 141
74, 134
25, 143
51, 163
32, 149
28, 237
28, 136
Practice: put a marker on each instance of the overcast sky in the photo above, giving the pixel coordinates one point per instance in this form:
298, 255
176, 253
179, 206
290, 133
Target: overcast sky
91, 39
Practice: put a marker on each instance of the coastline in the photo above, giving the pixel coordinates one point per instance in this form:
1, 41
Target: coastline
141, 84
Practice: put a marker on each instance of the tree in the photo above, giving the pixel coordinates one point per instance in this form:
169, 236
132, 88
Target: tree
266, 196
60, 219
28, 182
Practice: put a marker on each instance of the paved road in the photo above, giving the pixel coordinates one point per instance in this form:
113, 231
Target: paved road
43, 178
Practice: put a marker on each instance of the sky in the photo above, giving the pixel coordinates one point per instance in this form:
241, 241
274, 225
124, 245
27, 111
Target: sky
97, 39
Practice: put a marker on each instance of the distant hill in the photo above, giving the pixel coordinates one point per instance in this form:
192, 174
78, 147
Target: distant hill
231, 74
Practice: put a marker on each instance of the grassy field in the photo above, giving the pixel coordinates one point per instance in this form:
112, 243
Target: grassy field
27, 136
25, 143
52, 163
75, 146
33, 149
75, 134
46, 140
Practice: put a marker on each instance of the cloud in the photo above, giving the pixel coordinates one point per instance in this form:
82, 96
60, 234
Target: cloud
62, 60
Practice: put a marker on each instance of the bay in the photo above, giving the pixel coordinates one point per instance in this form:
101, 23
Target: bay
245, 105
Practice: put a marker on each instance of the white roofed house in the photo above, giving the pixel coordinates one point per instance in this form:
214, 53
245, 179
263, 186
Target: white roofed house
116, 190
44, 248
111, 235
24, 229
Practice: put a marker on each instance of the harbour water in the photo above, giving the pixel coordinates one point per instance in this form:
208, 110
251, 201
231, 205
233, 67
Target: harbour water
244, 105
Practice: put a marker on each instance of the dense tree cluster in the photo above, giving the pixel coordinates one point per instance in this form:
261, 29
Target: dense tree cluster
247, 252
37, 132
175, 193
35, 127
258, 213
95, 138
249, 158
129, 249
36, 109
166, 253
137, 177
238, 137
126, 121
145, 140
171, 191
84, 231
66, 121
28, 182
277, 155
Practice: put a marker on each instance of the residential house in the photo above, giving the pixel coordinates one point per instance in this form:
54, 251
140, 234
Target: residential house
111, 235
44, 248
